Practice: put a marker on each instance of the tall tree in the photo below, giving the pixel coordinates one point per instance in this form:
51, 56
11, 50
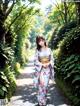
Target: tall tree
78, 12
65, 12
62, 13
6, 7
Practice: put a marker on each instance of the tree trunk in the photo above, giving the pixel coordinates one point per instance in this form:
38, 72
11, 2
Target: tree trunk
5, 10
65, 12
78, 12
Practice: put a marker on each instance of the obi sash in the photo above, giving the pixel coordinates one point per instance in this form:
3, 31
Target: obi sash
44, 59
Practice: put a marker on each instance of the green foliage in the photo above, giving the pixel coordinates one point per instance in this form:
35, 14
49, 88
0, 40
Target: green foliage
6, 55
4, 85
47, 27
34, 1
59, 33
16, 69
53, 38
69, 69
66, 41
15, 24
68, 62
7, 83
70, 44
37, 29
67, 91
22, 29
64, 29
21, 50
58, 16
12, 82
59, 12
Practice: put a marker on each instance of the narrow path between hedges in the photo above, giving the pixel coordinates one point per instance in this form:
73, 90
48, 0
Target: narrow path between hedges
25, 94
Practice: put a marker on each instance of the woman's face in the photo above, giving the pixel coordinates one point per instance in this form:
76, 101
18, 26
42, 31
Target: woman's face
41, 42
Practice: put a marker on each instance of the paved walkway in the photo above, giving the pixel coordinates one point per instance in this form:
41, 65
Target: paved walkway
25, 94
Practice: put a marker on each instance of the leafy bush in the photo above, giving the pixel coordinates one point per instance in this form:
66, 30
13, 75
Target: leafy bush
16, 69
4, 85
69, 70
7, 72
20, 49
11, 78
66, 28
67, 91
68, 62
70, 44
59, 34
6, 55
52, 41
7, 83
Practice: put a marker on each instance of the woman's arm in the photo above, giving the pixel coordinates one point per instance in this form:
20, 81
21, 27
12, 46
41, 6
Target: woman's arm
37, 63
52, 59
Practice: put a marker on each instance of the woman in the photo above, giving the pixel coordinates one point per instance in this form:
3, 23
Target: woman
43, 63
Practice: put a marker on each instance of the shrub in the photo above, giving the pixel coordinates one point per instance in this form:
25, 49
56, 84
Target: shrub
4, 85
68, 62
6, 55
7, 83
69, 70
59, 34
70, 44
52, 41
7, 76
11, 78
16, 69
66, 28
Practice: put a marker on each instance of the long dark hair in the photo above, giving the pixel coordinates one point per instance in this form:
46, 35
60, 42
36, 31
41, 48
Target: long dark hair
38, 38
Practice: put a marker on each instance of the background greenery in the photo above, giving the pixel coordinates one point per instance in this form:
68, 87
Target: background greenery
21, 22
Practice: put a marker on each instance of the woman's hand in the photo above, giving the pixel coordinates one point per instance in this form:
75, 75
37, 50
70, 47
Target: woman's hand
46, 65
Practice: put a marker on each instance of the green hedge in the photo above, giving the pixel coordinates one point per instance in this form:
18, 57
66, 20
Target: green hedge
12, 82
71, 43
68, 62
8, 71
69, 69
7, 83
59, 34
67, 91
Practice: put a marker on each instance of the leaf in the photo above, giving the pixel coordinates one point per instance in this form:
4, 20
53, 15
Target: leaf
2, 73
7, 85
4, 77
5, 56
70, 67
1, 92
4, 88
76, 78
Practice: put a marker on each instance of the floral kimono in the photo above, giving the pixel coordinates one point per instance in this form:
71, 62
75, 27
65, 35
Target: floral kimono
42, 75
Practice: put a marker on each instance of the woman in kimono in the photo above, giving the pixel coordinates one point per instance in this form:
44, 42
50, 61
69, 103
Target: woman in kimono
44, 64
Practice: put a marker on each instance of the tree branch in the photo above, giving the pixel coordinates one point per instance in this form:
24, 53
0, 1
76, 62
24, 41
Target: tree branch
5, 6
61, 12
1, 3
16, 18
24, 23
10, 9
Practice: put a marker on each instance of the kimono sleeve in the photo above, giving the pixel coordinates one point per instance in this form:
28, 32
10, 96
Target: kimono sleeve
37, 64
52, 59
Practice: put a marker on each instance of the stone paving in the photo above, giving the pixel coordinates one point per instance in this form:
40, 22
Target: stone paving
25, 94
